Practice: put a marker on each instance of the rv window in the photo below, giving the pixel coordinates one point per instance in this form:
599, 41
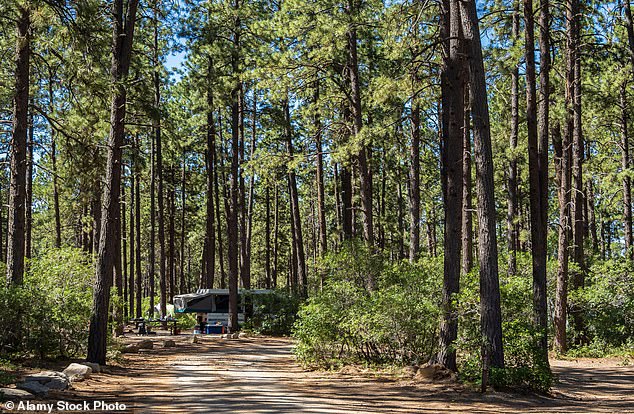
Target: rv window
222, 303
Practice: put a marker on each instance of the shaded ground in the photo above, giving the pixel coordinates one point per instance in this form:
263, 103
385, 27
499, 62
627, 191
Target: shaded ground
258, 375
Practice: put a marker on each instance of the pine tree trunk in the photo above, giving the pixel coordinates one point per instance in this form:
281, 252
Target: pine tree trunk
152, 252
133, 170
17, 186
156, 125
298, 239
172, 235
123, 30
574, 67
221, 258
232, 211
183, 228
490, 312
249, 206
210, 225
364, 155
276, 227
625, 166
592, 217
563, 171
452, 84
28, 214
414, 186
467, 209
138, 278
124, 253
630, 29
319, 177
538, 170
511, 217
267, 237
96, 218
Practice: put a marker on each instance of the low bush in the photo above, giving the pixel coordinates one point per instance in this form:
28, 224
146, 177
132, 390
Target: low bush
524, 362
48, 315
273, 313
395, 323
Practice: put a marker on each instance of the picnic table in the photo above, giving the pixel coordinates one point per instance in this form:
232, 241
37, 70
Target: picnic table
144, 326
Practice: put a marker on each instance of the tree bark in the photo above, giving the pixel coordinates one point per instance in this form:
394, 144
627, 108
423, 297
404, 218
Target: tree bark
538, 170
414, 186
210, 232
17, 186
574, 67
563, 171
491, 315
221, 258
319, 177
511, 217
137, 222
133, 171
156, 126
630, 29
625, 166
183, 228
276, 227
232, 211
123, 31
28, 214
364, 154
250, 198
298, 239
452, 86
267, 237
467, 210
152, 252
172, 235
127, 310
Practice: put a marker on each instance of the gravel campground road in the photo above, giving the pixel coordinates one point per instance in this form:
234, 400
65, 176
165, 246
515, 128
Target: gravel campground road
259, 375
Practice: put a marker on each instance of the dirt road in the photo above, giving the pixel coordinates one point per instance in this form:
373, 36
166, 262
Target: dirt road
259, 375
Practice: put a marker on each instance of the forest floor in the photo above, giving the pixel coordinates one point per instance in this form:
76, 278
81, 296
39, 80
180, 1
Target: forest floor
260, 375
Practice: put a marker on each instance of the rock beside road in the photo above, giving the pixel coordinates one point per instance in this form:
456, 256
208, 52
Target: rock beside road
77, 372
130, 349
14, 394
94, 366
34, 387
169, 343
50, 379
435, 373
146, 344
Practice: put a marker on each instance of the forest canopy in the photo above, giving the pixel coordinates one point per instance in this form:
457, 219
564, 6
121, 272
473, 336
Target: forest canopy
430, 181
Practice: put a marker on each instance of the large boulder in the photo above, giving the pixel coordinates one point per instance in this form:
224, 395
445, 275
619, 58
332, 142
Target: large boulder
34, 387
77, 372
45, 376
146, 344
50, 379
435, 373
14, 394
130, 349
93, 365
169, 343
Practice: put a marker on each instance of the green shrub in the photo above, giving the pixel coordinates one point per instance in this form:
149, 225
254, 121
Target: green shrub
396, 323
607, 302
523, 360
273, 314
48, 316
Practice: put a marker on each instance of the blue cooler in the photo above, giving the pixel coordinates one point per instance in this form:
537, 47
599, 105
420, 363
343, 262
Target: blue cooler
214, 329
